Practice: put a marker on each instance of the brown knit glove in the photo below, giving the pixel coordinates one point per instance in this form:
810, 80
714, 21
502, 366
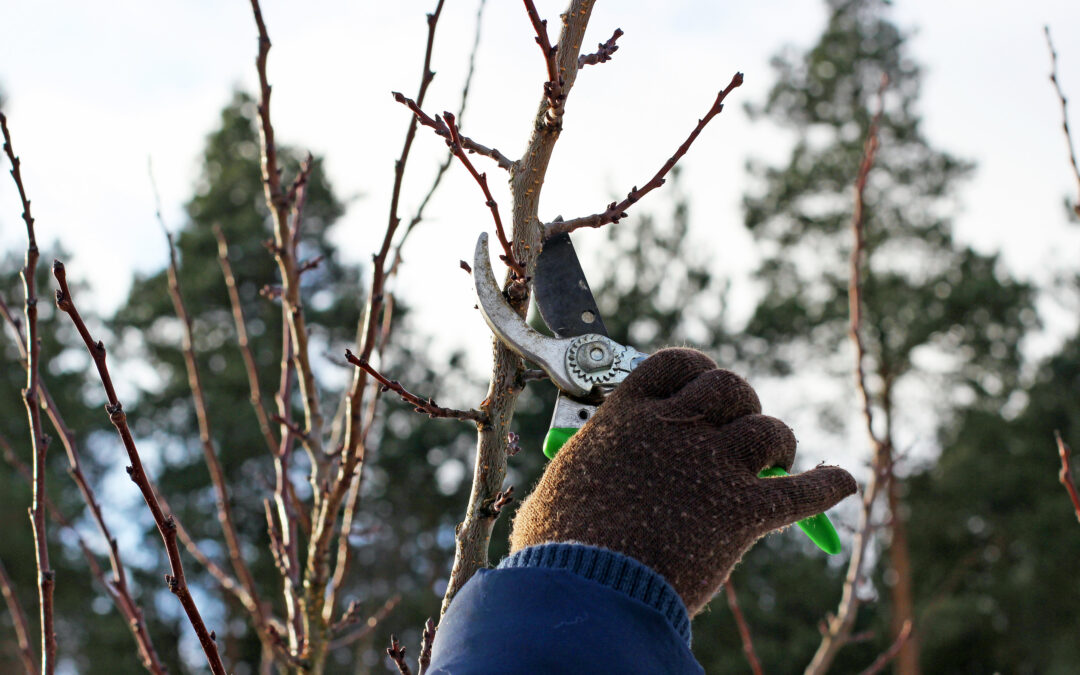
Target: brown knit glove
666, 473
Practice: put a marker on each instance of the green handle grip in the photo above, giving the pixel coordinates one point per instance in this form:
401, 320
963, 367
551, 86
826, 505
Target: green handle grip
818, 528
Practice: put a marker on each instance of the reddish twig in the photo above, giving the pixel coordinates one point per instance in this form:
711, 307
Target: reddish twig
166, 524
617, 210
18, 619
39, 442
422, 405
396, 652
744, 629
603, 53
1065, 475
217, 474
441, 129
1064, 115
499, 501
369, 624
838, 631
426, 642
553, 88
242, 340
116, 588
889, 654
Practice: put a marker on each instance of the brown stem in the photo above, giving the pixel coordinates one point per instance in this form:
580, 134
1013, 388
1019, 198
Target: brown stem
838, 630
554, 92
353, 616
217, 474
744, 629
323, 524
242, 340
526, 182
889, 654
396, 652
426, 642
1064, 115
1065, 475
39, 442
617, 210
603, 53
281, 204
18, 618
422, 405
166, 524
116, 588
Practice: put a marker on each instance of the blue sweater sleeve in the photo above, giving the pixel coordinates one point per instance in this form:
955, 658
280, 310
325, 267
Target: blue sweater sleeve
565, 608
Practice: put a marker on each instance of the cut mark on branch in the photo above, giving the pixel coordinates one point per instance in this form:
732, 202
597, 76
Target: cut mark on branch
616, 211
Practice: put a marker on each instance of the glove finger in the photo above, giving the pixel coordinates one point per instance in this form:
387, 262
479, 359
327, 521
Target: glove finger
755, 442
664, 373
718, 397
787, 499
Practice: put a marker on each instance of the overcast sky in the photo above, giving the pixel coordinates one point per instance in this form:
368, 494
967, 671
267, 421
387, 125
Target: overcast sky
95, 89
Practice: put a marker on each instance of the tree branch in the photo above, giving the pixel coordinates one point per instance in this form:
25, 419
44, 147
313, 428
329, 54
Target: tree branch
39, 442
617, 210
603, 53
1065, 475
1064, 116
422, 405
889, 654
554, 93
166, 524
838, 630
744, 629
18, 619
526, 183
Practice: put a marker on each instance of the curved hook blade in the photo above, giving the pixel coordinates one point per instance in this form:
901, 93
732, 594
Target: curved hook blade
548, 353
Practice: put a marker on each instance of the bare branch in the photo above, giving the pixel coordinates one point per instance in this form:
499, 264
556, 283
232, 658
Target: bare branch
242, 340
18, 618
1065, 475
166, 524
889, 654
217, 474
603, 53
422, 405
553, 88
396, 652
744, 629
1064, 115
39, 442
441, 129
838, 631
426, 642
353, 616
617, 210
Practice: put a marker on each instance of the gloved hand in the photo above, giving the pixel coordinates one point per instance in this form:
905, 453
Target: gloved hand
666, 473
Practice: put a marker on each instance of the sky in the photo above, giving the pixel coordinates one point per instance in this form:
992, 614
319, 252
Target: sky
96, 90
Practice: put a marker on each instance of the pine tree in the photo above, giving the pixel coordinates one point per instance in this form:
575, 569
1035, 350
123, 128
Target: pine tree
928, 299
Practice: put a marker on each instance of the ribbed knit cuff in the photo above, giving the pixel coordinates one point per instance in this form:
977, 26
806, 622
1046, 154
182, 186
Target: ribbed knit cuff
614, 570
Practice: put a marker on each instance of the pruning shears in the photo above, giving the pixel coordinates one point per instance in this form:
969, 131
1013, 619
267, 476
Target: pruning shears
583, 362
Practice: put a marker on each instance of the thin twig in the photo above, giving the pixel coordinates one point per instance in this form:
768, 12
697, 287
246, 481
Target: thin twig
166, 523
18, 618
1065, 475
617, 210
1064, 115
553, 88
838, 630
39, 442
744, 629
889, 654
426, 642
284, 208
242, 340
441, 129
369, 624
116, 588
603, 53
396, 652
422, 405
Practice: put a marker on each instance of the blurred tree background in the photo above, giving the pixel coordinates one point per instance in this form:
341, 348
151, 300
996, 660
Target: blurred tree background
976, 542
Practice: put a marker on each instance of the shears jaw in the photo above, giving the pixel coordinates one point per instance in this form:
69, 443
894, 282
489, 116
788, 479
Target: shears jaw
547, 352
